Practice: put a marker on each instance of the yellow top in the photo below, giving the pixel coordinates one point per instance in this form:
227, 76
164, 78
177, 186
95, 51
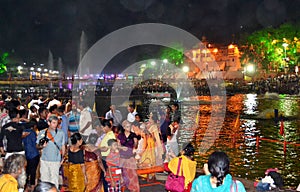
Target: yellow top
8, 183
188, 168
109, 135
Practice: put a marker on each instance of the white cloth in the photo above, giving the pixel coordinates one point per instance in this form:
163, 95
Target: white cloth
33, 101
131, 116
31, 113
40, 101
4, 119
54, 102
49, 171
268, 179
85, 117
140, 146
9, 154
172, 144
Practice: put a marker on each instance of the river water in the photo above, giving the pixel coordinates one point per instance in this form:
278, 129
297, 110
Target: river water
240, 129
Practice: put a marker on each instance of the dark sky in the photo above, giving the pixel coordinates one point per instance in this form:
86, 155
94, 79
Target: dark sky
30, 28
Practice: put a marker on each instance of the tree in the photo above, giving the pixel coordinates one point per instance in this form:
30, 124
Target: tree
3, 62
175, 56
265, 47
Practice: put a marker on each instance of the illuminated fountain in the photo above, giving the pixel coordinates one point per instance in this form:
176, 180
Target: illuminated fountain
60, 65
50, 61
178, 90
82, 51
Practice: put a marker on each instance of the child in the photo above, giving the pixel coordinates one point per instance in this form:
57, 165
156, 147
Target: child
113, 176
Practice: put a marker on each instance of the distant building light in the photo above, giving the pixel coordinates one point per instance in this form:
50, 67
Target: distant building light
215, 50
205, 51
230, 46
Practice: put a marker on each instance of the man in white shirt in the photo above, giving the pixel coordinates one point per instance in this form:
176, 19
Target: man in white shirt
54, 101
40, 100
33, 101
131, 113
114, 114
85, 121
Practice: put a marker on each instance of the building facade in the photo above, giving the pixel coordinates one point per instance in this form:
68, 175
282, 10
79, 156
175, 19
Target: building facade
209, 60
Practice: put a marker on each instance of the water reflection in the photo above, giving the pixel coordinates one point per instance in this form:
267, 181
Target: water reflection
250, 104
251, 157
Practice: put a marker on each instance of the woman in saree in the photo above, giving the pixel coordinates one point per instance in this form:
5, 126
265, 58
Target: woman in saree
153, 128
83, 169
127, 141
93, 168
147, 154
76, 172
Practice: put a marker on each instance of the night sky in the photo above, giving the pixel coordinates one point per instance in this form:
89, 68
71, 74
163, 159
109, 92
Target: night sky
30, 28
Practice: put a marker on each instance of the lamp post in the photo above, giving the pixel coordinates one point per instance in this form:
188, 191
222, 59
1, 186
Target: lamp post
249, 71
285, 45
186, 69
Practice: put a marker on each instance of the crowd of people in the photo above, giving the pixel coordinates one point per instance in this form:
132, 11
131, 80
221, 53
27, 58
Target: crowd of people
48, 144
283, 84
66, 144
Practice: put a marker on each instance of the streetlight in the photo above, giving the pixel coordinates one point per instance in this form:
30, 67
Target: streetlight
185, 69
285, 45
250, 68
249, 71
20, 69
